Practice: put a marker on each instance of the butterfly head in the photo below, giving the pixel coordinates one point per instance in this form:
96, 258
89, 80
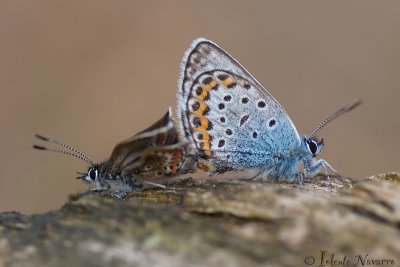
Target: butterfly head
313, 145
91, 176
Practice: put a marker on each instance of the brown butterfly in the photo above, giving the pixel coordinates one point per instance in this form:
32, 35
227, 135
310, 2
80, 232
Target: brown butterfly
145, 160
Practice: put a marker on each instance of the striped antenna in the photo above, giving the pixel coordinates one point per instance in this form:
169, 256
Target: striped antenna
333, 116
63, 152
74, 152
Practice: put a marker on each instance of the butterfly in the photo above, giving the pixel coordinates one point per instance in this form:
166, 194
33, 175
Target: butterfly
234, 123
147, 159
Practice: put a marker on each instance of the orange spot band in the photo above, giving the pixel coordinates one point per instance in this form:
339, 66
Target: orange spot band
206, 88
201, 109
228, 82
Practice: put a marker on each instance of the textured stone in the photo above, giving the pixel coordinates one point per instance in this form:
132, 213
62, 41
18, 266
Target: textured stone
209, 223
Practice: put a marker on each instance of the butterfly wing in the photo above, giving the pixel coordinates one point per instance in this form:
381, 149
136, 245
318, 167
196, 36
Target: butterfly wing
163, 161
227, 114
127, 152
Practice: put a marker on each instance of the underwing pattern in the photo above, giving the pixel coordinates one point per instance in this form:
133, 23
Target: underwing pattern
235, 123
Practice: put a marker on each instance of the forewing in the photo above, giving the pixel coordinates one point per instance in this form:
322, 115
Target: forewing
226, 113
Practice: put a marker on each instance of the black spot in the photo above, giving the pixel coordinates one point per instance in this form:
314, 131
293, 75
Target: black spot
244, 119
221, 106
215, 87
255, 134
221, 143
231, 85
196, 122
228, 132
222, 119
227, 98
195, 106
246, 86
207, 80
210, 126
206, 111
207, 97
200, 136
201, 145
223, 77
272, 123
261, 104
199, 90
245, 100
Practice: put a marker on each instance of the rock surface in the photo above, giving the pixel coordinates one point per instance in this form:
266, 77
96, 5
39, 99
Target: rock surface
338, 222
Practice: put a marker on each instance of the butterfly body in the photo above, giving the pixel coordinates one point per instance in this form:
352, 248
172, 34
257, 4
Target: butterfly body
235, 123
149, 158
105, 179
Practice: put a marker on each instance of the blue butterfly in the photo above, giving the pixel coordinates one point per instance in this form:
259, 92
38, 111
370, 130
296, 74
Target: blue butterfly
235, 124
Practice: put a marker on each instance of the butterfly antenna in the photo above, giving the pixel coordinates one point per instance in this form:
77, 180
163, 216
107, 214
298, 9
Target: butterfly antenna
63, 152
53, 141
333, 116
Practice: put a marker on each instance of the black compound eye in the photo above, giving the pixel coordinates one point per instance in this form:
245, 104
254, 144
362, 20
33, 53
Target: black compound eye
312, 146
93, 173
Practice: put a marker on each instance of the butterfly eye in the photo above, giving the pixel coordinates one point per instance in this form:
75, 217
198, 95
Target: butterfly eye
312, 146
93, 173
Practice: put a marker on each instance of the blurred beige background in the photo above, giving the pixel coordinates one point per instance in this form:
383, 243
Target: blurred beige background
92, 73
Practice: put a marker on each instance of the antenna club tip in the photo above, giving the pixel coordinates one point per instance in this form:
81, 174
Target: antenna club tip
41, 137
355, 104
39, 147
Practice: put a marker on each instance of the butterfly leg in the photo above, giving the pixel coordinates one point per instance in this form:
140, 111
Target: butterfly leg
300, 178
101, 187
97, 190
119, 195
315, 166
156, 185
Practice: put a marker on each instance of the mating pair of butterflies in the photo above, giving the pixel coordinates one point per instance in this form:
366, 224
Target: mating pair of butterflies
225, 118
